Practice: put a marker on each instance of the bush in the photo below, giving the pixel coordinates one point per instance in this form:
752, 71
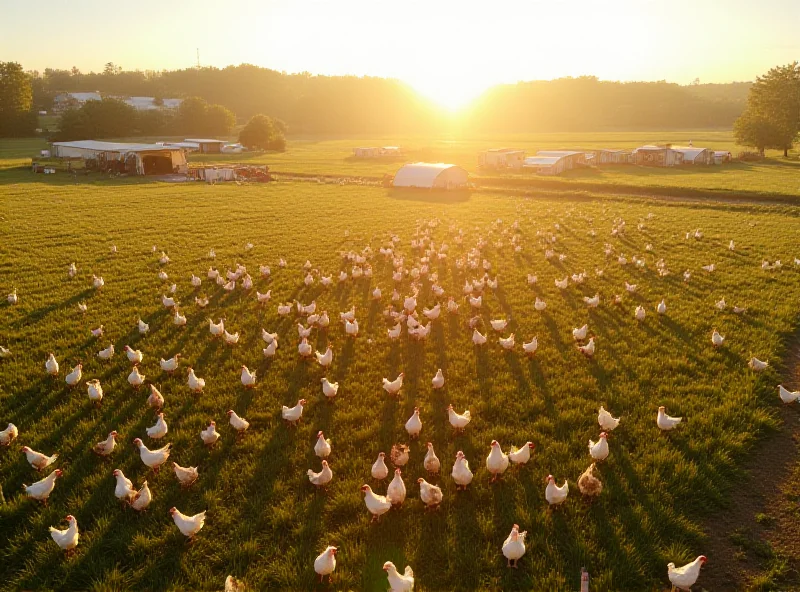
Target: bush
262, 132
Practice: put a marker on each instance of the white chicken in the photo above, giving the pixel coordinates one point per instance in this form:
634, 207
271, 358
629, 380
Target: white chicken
520, 456
785, 394
329, 389
230, 338
414, 424
325, 359
323, 447
514, 546
196, 384
94, 390
458, 421
393, 386
554, 494
152, 458
322, 478
123, 490
580, 333
136, 379
683, 578
665, 422
478, 338
188, 525
599, 450
661, 308
431, 495
438, 380
292, 415
607, 422
248, 378
210, 435
135, 356
51, 365
105, 447
155, 399
507, 343
186, 475
399, 582
377, 505
8, 435
431, 462
66, 539
588, 349
170, 365
498, 324
239, 424
396, 492
757, 365
159, 429
497, 462
379, 470
142, 326
461, 472
539, 304
325, 563
304, 348
41, 490
592, 302
716, 339
142, 498
74, 377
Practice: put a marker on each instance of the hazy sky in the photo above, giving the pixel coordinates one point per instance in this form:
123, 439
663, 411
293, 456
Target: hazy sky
450, 50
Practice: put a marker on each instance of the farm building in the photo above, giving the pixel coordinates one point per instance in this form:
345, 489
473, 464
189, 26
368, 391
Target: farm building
139, 159
73, 100
657, 156
693, 155
150, 104
430, 175
722, 156
501, 158
206, 145
608, 156
570, 158
376, 151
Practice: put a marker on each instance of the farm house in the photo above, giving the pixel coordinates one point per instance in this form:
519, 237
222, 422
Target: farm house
693, 155
657, 156
501, 158
430, 176
571, 158
138, 159
206, 145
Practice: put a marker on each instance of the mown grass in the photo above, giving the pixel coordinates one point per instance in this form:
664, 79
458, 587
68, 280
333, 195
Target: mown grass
265, 523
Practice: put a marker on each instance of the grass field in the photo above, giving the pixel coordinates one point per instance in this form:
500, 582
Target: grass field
265, 522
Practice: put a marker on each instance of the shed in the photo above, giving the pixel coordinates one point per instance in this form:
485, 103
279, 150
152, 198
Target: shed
207, 145
572, 158
369, 152
545, 165
609, 156
140, 159
692, 155
657, 156
431, 175
501, 158
722, 156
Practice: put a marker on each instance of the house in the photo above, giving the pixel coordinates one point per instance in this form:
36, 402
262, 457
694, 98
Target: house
64, 101
571, 158
722, 156
657, 156
206, 145
430, 176
501, 158
692, 155
135, 159
608, 156
150, 103
545, 165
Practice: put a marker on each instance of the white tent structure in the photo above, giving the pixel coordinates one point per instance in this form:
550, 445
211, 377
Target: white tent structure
431, 175
149, 158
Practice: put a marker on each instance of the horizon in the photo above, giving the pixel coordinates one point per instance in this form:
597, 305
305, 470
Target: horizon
452, 56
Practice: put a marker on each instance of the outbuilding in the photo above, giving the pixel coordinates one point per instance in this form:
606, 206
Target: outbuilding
206, 145
544, 165
367, 152
692, 155
501, 158
722, 156
571, 158
605, 156
657, 156
138, 159
431, 175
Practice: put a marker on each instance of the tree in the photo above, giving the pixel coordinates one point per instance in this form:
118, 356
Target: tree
219, 120
108, 118
775, 97
154, 122
261, 132
16, 100
191, 116
755, 130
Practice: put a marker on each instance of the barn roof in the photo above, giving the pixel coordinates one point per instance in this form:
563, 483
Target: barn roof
541, 160
558, 153
204, 141
113, 146
689, 152
421, 174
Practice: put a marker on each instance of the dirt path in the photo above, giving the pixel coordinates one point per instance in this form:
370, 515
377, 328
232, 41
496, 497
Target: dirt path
755, 544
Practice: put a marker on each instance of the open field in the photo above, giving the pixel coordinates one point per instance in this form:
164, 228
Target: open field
265, 521
774, 176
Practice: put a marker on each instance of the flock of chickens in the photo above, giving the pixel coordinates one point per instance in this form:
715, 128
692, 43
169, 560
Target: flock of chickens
402, 313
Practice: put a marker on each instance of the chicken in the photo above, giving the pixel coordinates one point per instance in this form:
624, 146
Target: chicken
580, 334
498, 324
399, 455
239, 424
431, 461
592, 302
74, 377
159, 430
210, 435
716, 339
123, 490
186, 475
304, 348
438, 380
757, 364
497, 462
155, 399
325, 563
329, 389
201, 302
396, 492
588, 484
640, 313
142, 498
38, 460
105, 447
8, 435
459, 422
293, 414
135, 356
271, 348
51, 365
170, 365
135, 379
478, 338
431, 495
507, 343
562, 284
94, 390
721, 304
514, 546
433, 313
393, 387
599, 450
5, 352
461, 472
323, 447
683, 578
786, 396
66, 539
661, 308
230, 338
399, 582
377, 505
520, 456
379, 469
394, 332
188, 525
248, 378
607, 422
554, 494
152, 458
97, 282
665, 422
41, 490
196, 384
588, 349
216, 329
414, 424
322, 478
539, 304
98, 332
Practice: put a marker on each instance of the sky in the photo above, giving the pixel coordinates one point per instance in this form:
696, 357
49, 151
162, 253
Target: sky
449, 50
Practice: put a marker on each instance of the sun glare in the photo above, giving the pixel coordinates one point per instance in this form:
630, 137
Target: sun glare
452, 93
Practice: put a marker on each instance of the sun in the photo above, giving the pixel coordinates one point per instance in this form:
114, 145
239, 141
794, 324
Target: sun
453, 91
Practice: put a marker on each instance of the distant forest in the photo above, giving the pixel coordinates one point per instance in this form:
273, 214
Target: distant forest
368, 105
